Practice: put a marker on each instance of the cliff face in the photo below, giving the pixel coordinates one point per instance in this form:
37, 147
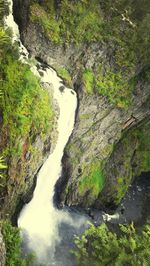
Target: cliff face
114, 94
2, 251
24, 149
27, 127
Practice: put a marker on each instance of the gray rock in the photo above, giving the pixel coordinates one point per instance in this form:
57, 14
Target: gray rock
2, 250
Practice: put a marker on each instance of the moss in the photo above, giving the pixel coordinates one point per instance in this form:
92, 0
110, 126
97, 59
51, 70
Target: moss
85, 116
131, 157
64, 74
27, 115
47, 21
26, 106
143, 151
76, 21
116, 87
122, 187
88, 81
92, 180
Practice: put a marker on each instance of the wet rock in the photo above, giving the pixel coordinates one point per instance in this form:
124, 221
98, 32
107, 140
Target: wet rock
99, 126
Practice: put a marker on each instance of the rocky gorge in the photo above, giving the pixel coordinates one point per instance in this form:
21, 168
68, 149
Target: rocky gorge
105, 151
109, 146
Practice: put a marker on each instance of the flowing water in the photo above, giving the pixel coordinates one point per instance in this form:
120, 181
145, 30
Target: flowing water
46, 230
39, 220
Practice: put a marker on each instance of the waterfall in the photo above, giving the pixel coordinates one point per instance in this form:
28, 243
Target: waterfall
39, 220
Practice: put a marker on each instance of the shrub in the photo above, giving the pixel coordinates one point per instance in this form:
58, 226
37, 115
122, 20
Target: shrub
12, 241
98, 246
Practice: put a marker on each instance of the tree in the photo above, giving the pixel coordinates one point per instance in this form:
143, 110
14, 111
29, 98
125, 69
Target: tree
99, 246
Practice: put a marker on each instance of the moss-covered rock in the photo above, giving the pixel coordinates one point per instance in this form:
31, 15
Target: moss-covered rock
131, 157
104, 47
27, 124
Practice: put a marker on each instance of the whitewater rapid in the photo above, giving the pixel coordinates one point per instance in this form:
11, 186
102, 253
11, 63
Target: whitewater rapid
40, 220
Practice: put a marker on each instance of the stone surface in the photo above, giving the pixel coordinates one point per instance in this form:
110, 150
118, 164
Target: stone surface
99, 124
2, 250
22, 169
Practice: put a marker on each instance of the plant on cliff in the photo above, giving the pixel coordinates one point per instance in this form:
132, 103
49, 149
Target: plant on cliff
12, 241
2, 175
88, 80
64, 74
121, 26
76, 21
26, 106
92, 180
98, 246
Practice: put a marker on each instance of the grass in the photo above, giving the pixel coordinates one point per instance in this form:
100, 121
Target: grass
92, 179
12, 242
64, 74
77, 21
47, 21
26, 106
88, 22
88, 81
116, 87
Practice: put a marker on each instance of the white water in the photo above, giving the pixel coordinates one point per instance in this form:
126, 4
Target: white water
39, 220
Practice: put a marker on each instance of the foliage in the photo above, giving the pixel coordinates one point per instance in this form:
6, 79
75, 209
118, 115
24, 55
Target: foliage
88, 80
132, 160
49, 25
26, 106
99, 246
12, 241
64, 74
77, 21
2, 175
92, 180
123, 26
143, 148
115, 86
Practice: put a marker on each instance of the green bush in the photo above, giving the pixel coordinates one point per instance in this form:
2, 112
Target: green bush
98, 246
116, 87
26, 106
77, 22
12, 241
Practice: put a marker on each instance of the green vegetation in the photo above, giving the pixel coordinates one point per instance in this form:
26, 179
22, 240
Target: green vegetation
26, 117
142, 157
98, 246
121, 26
64, 74
26, 106
47, 22
115, 86
88, 81
12, 241
2, 175
76, 22
132, 160
92, 180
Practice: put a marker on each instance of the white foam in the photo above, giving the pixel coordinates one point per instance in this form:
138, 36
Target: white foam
39, 220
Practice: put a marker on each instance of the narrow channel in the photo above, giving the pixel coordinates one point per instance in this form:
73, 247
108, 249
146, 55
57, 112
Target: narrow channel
39, 220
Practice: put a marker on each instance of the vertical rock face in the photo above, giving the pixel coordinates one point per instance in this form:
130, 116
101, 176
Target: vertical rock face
2, 251
21, 13
93, 151
97, 151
